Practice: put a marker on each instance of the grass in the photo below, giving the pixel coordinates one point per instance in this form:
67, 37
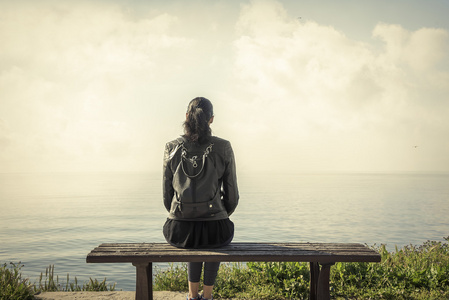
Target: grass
49, 284
413, 272
14, 286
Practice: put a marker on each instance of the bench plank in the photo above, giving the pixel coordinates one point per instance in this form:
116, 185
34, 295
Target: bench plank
235, 252
142, 255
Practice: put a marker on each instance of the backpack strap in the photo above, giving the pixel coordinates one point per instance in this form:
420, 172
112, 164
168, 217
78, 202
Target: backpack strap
193, 160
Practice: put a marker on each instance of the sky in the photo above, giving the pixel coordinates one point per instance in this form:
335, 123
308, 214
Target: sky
297, 86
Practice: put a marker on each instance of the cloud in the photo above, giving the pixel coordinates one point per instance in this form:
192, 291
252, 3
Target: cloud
97, 86
73, 75
420, 50
5, 138
337, 103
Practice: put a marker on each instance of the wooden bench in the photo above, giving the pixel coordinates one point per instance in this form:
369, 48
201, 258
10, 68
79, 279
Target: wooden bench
320, 255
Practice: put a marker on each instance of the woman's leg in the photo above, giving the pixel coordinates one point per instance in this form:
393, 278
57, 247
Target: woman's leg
194, 271
193, 289
210, 274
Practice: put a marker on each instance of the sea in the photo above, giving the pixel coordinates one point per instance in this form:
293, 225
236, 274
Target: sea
56, 219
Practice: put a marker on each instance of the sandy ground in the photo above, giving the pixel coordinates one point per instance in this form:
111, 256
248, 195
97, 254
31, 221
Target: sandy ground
107, 295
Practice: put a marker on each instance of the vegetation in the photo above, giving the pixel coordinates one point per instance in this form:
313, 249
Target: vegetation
13, 286
50, 285
413, 272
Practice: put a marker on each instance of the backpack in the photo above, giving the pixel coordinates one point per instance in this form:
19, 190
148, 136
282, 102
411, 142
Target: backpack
193, 197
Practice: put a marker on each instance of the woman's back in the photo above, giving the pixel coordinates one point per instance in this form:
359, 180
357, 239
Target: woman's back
200, 192
197, 173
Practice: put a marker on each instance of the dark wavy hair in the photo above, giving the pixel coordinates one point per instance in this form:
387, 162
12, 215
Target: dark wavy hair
196, 126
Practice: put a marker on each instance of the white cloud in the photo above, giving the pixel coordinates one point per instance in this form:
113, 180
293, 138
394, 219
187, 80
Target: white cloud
92, 86
70, 76
5, 138
339, 103
421, 50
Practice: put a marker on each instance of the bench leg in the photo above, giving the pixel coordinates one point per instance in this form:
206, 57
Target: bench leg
144, 281
314, 273
319, 281
323, 282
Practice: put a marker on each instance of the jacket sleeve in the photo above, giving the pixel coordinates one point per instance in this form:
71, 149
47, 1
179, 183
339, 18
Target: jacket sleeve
167, 186
230, 189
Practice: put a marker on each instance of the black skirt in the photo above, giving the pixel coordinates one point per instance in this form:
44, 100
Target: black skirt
198, 234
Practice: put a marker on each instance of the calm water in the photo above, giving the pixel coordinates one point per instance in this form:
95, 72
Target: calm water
58, 218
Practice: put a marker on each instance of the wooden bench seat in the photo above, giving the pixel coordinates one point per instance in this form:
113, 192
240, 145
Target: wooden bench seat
320, 255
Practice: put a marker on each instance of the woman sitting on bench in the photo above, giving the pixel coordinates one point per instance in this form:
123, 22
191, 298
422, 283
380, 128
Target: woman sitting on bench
200, 192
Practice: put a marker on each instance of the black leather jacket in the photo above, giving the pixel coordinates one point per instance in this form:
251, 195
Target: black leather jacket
218, 179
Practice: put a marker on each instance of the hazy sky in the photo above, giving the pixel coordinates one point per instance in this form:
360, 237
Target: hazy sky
301, 86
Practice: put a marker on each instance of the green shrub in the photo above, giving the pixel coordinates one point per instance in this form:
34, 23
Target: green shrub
12, 285
255, 280
403, 274
413, 272
172, 279
50, 284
